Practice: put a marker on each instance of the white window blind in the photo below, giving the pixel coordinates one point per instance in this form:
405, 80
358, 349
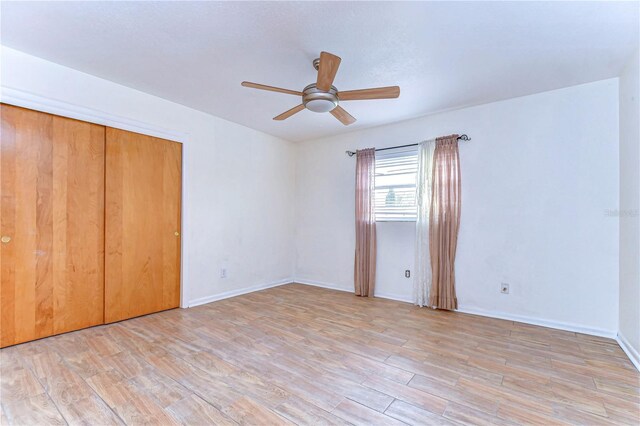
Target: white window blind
395, 185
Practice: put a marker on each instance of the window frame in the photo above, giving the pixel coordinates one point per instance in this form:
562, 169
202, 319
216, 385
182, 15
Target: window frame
396, 153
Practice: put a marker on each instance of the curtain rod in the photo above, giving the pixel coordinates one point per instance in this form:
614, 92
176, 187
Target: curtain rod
460, 138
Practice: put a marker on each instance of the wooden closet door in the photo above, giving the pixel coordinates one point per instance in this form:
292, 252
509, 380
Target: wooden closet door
143, 191
52, 225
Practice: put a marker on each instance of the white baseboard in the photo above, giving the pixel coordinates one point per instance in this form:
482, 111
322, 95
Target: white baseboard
321, 284
540, 322
396, 297
484, 313
350, 290
631, 352
233, 293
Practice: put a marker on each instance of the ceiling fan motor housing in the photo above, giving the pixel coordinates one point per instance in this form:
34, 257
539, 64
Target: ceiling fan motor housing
317, 100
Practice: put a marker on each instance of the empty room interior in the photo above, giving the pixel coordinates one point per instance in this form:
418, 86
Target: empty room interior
319, 213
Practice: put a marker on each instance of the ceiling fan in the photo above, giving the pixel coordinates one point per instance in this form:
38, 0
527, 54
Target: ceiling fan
322, 96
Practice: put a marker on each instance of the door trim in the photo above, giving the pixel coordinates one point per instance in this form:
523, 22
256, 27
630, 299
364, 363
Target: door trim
24, 99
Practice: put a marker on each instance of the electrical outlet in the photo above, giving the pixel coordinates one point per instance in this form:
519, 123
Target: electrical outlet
223, 273
407, 273
504, 288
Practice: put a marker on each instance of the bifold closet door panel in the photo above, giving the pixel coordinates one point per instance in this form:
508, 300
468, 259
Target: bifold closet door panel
143, 191
52, 225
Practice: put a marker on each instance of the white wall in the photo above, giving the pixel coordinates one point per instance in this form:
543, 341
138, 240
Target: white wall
630, 205
537, 180
238, 182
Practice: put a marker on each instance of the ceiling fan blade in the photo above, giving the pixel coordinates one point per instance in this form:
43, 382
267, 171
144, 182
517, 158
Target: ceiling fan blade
342, 115
327, 70
289, 113
270, 88
375, 93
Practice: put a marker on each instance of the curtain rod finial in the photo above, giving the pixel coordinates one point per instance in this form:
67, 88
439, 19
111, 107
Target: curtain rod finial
350, 153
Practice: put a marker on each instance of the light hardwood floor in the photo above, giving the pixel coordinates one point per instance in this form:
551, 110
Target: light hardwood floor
305, 355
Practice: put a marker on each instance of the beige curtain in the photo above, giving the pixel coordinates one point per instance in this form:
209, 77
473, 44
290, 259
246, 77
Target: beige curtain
365, 259
422, 266
444, 222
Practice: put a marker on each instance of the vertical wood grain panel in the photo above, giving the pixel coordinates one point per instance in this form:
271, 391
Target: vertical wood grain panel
52, 192
172, 182
42, 149
143, 196
25, 147
79, 224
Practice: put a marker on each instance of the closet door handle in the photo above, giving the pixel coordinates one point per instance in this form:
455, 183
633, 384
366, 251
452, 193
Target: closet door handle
5, 239
177, 234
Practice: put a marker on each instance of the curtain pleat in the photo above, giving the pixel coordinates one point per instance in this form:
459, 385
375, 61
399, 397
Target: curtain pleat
444, 222
365, 255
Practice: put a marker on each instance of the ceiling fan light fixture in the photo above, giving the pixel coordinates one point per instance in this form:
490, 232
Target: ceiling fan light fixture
317, 100
320, 105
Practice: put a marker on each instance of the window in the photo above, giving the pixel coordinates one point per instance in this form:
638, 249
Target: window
395, 185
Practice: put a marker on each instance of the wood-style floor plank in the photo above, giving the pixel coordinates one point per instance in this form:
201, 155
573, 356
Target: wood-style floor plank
413, 415
297, 354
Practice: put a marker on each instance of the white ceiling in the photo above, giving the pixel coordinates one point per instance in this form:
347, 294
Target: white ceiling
443, 55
